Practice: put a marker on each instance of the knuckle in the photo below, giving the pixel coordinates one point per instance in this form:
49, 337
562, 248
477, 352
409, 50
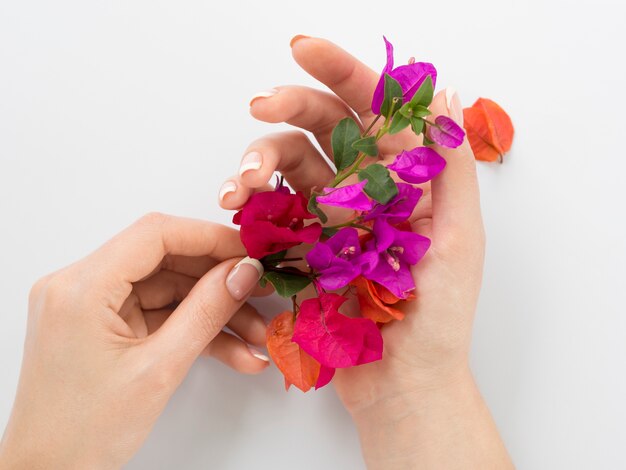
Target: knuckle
206, 318
152, 219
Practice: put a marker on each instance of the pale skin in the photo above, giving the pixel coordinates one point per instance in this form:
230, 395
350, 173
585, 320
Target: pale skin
136, 313
419, 407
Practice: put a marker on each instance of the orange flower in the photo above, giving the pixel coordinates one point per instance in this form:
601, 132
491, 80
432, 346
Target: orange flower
489, 130
297, 366
376, 301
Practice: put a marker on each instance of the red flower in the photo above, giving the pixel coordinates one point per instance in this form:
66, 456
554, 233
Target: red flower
273, 221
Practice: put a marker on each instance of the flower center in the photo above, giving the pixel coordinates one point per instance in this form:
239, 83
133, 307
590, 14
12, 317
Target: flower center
392, 257
348, 252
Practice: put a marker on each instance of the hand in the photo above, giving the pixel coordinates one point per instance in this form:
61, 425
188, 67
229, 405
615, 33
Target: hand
111, 337
424, 375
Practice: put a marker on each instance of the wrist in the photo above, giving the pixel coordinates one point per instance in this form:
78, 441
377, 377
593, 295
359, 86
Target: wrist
394, 429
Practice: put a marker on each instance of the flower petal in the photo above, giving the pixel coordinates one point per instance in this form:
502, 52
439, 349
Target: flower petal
379, 92
334, 339
447, 134
410, 77
349, 197
418, 165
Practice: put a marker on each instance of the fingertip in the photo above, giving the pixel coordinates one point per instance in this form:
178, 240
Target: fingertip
233, 194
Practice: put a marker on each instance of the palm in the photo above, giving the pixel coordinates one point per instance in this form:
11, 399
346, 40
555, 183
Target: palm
436, 329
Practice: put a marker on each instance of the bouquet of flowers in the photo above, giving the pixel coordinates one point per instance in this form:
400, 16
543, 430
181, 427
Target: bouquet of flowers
364, 259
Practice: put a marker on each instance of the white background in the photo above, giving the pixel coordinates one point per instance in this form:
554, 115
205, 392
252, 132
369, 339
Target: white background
112, 109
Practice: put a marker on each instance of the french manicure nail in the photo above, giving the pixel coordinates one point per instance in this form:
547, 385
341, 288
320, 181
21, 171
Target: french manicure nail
263, 94
296, 38
243, 277
453, 103
228, 187
258, 355
250, 161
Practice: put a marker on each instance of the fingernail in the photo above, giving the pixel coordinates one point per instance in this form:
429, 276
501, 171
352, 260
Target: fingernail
296, 38
228, 187
244, 277
453, 103
263, 94
258, 355
250, 161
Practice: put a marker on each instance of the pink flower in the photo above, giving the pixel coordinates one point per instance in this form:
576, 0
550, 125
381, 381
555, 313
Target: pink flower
333, 339
349, 197
418, 165
410, 77
273, 221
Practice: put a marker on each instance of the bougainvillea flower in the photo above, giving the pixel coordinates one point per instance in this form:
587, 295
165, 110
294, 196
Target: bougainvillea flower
418, 165
334, 259
400, 207
326, 375
334, 339
273, 221
389, 256
297, 366
376, 301
489, 130
446, 133
348, 197
410, 77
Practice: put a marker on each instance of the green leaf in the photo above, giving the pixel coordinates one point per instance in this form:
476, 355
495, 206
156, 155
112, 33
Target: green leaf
285, 283
345, 133
427, 141
367, 145
421, 111
393, 97
274, 258
410, 110
424, 94
379, 185
314, 208
417, 124
329, 231
398, 123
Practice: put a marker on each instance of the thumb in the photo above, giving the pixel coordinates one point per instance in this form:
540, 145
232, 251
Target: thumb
203, 313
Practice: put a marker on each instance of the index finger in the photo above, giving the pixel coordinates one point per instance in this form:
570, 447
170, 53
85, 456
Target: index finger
134, 253
350, 79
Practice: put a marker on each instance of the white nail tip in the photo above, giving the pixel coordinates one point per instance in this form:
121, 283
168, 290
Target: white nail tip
258, 355
249, 166
450, 92
264, 94
228, 187
254, 262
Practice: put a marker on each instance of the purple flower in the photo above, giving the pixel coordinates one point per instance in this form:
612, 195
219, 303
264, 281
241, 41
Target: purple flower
336, 259
418, 165
446, 133
350, 197
389, 256
410, 77
400, 207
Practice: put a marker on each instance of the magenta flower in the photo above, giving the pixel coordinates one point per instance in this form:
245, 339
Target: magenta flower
446, 133
349, 197
333, 339
273, 221
336, 259
390, 255
410, 77
400, 207
418, 165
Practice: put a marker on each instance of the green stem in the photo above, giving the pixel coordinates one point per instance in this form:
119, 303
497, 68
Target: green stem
352, 223
369, 128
